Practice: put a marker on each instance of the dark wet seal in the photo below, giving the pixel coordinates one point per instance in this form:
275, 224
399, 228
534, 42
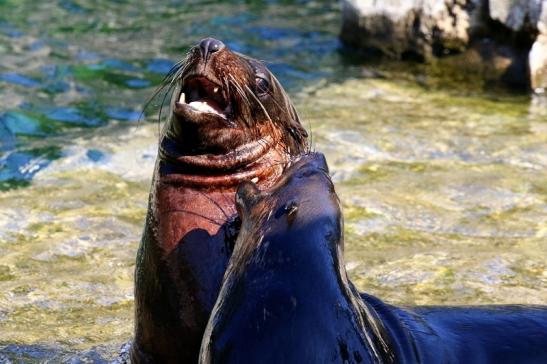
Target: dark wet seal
230, 120
286, 298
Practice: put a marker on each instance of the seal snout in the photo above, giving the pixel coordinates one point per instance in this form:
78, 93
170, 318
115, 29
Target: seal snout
247, 195
202, 89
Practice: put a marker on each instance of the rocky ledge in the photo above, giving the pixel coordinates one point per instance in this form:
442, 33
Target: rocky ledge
503, 40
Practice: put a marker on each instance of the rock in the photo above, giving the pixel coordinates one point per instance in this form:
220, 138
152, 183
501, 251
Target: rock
407, 29
537, 58
537, 61
515, 14
507, 39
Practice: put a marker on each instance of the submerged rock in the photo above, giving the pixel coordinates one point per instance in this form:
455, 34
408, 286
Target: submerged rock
501, 40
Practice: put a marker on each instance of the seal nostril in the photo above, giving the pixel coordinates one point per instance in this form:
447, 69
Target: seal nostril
210, 45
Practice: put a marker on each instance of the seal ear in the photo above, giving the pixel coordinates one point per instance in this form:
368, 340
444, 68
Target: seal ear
247, 195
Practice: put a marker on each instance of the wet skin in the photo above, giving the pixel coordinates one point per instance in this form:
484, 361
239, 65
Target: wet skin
230, 121
286, 298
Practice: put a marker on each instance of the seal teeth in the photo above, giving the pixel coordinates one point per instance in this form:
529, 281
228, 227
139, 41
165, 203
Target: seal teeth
182, 98
215, 89
254, 180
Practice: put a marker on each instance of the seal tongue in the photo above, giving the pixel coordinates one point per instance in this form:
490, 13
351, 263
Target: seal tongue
207, 105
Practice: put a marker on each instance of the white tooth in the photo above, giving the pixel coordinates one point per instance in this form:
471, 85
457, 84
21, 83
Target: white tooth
216, 89
182, 99
254, 180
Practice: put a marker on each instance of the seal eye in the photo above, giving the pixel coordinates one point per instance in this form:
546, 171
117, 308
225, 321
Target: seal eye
262, 86
262, 77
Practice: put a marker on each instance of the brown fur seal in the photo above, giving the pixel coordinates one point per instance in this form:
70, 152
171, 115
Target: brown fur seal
230, 121
286, 298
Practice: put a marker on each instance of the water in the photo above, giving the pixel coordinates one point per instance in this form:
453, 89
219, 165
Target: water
443, 187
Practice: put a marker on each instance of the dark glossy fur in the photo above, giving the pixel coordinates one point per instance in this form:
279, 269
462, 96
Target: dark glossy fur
286, 298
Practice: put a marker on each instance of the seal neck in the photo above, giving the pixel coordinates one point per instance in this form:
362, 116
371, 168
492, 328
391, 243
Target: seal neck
259, 161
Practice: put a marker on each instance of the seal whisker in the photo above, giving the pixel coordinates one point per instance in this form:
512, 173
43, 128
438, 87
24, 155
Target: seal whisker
245, 100
166, 86
206, 196
247, 109
241, 92
167, 92
259, 103
262, 107
311, 144
161, 87
190, 212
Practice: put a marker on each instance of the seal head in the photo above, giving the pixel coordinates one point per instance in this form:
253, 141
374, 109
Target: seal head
227, 111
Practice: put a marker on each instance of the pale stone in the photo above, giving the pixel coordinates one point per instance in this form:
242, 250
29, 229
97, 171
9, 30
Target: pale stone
424, 29
537, 59
515, 14
399, 27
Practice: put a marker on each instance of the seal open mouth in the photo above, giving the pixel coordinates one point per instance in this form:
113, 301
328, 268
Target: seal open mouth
205, 95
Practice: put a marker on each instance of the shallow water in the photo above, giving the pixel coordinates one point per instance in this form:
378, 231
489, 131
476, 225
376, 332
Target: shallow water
443, 190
